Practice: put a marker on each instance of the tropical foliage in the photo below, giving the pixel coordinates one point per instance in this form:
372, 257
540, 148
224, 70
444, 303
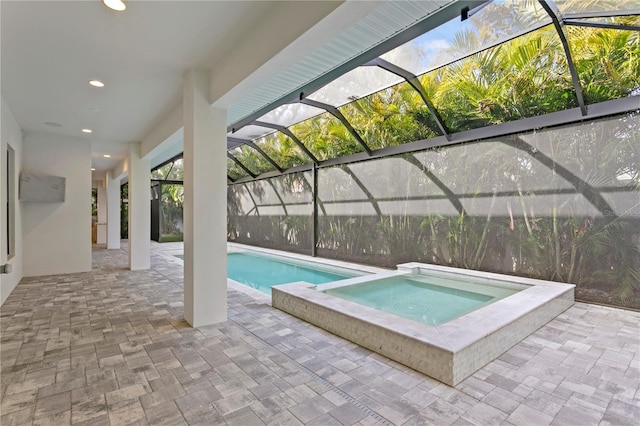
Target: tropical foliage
170, 200
273, 212
124, 211
561, 204
171, 206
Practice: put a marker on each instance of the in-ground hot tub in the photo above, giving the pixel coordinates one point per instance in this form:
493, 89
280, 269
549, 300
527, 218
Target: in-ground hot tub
496, 312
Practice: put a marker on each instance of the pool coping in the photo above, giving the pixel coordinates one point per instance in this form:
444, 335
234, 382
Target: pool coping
448, 352
239, 248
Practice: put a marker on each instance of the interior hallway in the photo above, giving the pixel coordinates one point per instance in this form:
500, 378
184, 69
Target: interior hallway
110, 347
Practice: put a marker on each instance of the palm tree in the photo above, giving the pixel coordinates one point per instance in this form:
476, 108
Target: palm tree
520, 203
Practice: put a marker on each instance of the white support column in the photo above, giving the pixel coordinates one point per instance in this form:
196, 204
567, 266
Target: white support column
102, 213
205, 204
139, 209
113, 211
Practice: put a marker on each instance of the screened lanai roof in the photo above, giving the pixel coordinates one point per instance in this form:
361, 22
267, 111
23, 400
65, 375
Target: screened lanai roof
499, 67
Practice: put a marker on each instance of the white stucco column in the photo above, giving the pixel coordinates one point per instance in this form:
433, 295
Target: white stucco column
102, 213
113, 211
139, 209
205, 204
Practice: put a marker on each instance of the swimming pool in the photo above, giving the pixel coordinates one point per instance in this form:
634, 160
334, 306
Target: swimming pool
448, 351
420, 299
262, 271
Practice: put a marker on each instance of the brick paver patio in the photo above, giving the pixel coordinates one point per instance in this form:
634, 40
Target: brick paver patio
110, 347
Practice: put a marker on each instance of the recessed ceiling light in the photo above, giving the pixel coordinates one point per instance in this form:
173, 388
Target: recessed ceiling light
107, 156
96, 83
93, 169
52, 124
115, 4
87, 131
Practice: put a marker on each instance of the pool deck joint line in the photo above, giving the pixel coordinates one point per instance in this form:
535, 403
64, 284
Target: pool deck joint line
353, 401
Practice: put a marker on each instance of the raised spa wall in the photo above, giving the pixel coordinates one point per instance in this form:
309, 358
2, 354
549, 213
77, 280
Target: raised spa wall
449, 352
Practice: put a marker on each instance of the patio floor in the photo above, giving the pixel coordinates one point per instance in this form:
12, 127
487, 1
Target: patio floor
110, 347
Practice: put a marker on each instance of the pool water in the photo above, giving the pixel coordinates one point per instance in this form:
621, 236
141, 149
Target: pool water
262, 272
417, 299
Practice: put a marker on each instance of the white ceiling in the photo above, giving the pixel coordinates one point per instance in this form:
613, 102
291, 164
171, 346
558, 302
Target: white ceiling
50, 49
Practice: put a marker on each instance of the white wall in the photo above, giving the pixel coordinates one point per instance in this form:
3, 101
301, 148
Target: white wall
139, 210
11, 134
205, 205
57, 236
113, 211
168, 126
